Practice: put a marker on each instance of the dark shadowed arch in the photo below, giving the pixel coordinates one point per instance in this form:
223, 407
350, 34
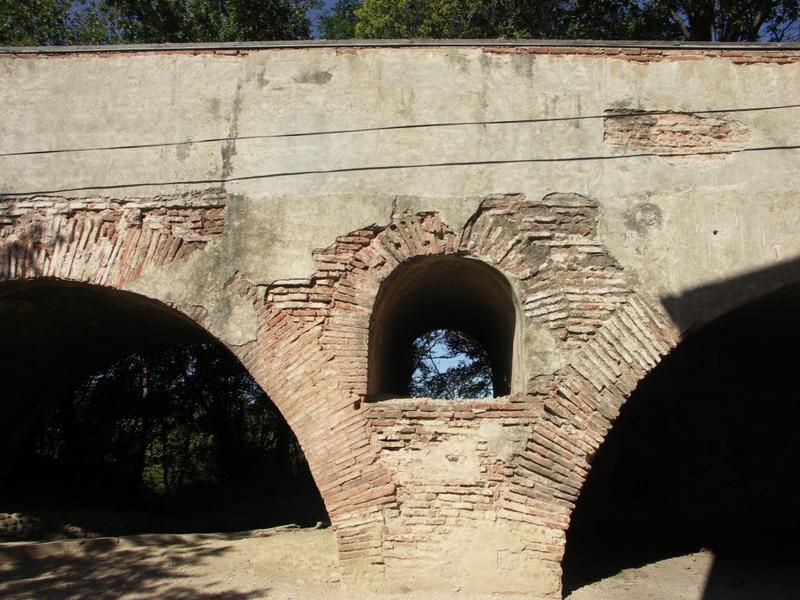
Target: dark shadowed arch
57, 333
704, 455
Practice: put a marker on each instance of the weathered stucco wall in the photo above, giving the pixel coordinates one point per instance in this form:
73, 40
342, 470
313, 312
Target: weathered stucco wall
627, 195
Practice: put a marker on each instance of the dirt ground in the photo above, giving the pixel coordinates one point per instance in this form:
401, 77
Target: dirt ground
289, 563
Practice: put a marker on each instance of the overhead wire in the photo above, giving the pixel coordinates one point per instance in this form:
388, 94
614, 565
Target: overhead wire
224, 180
616, 114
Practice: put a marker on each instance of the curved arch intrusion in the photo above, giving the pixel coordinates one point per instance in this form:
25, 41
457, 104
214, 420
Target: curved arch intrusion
100, 387
440, 293
704, 457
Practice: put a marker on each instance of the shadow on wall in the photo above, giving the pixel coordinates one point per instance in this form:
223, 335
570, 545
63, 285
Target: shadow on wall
698, 306
17, 255
705, 453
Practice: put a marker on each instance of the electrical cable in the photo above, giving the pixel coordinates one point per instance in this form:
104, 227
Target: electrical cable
622, 113
224, 180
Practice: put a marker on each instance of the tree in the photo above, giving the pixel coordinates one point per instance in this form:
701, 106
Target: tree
459, 18
340, 22
732, 20
60, 22
694, 20
450, 364
620, 20
148, 428
160, 21
50, 22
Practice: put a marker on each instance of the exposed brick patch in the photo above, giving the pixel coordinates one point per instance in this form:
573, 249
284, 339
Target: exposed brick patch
569, 283
101, 240
675, 135
449, 468
305, 371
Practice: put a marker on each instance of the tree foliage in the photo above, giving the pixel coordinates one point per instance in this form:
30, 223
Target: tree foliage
459, 18
695, 20
450, 364
340, 22
208, 20
620, 20
733, 20
58, 22
48, 22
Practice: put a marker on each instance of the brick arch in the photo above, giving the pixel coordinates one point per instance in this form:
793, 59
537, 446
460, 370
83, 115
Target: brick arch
609, 336
312, 350
453, 292
312, 358
314, 345
108, 242
602, 378
569, 286
590, 393
585, 400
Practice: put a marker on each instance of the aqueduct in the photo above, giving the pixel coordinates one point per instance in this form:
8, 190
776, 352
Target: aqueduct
582, 208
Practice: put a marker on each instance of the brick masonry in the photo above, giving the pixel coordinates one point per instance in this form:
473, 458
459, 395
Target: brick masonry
470, 493
678, 136
101, 240
409, 484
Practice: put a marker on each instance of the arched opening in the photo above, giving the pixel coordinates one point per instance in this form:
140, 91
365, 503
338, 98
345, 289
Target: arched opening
698, 478
435, 294
123, 416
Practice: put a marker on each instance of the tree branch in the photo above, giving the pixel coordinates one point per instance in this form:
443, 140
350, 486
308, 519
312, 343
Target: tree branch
675, 17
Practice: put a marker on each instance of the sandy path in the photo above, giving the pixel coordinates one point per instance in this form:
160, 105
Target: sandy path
278, 564
301, 564
680, 578
274, 563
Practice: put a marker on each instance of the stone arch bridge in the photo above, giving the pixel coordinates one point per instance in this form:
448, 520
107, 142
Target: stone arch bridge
587, 206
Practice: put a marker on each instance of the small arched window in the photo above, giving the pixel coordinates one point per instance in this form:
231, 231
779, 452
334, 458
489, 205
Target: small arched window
443, 327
